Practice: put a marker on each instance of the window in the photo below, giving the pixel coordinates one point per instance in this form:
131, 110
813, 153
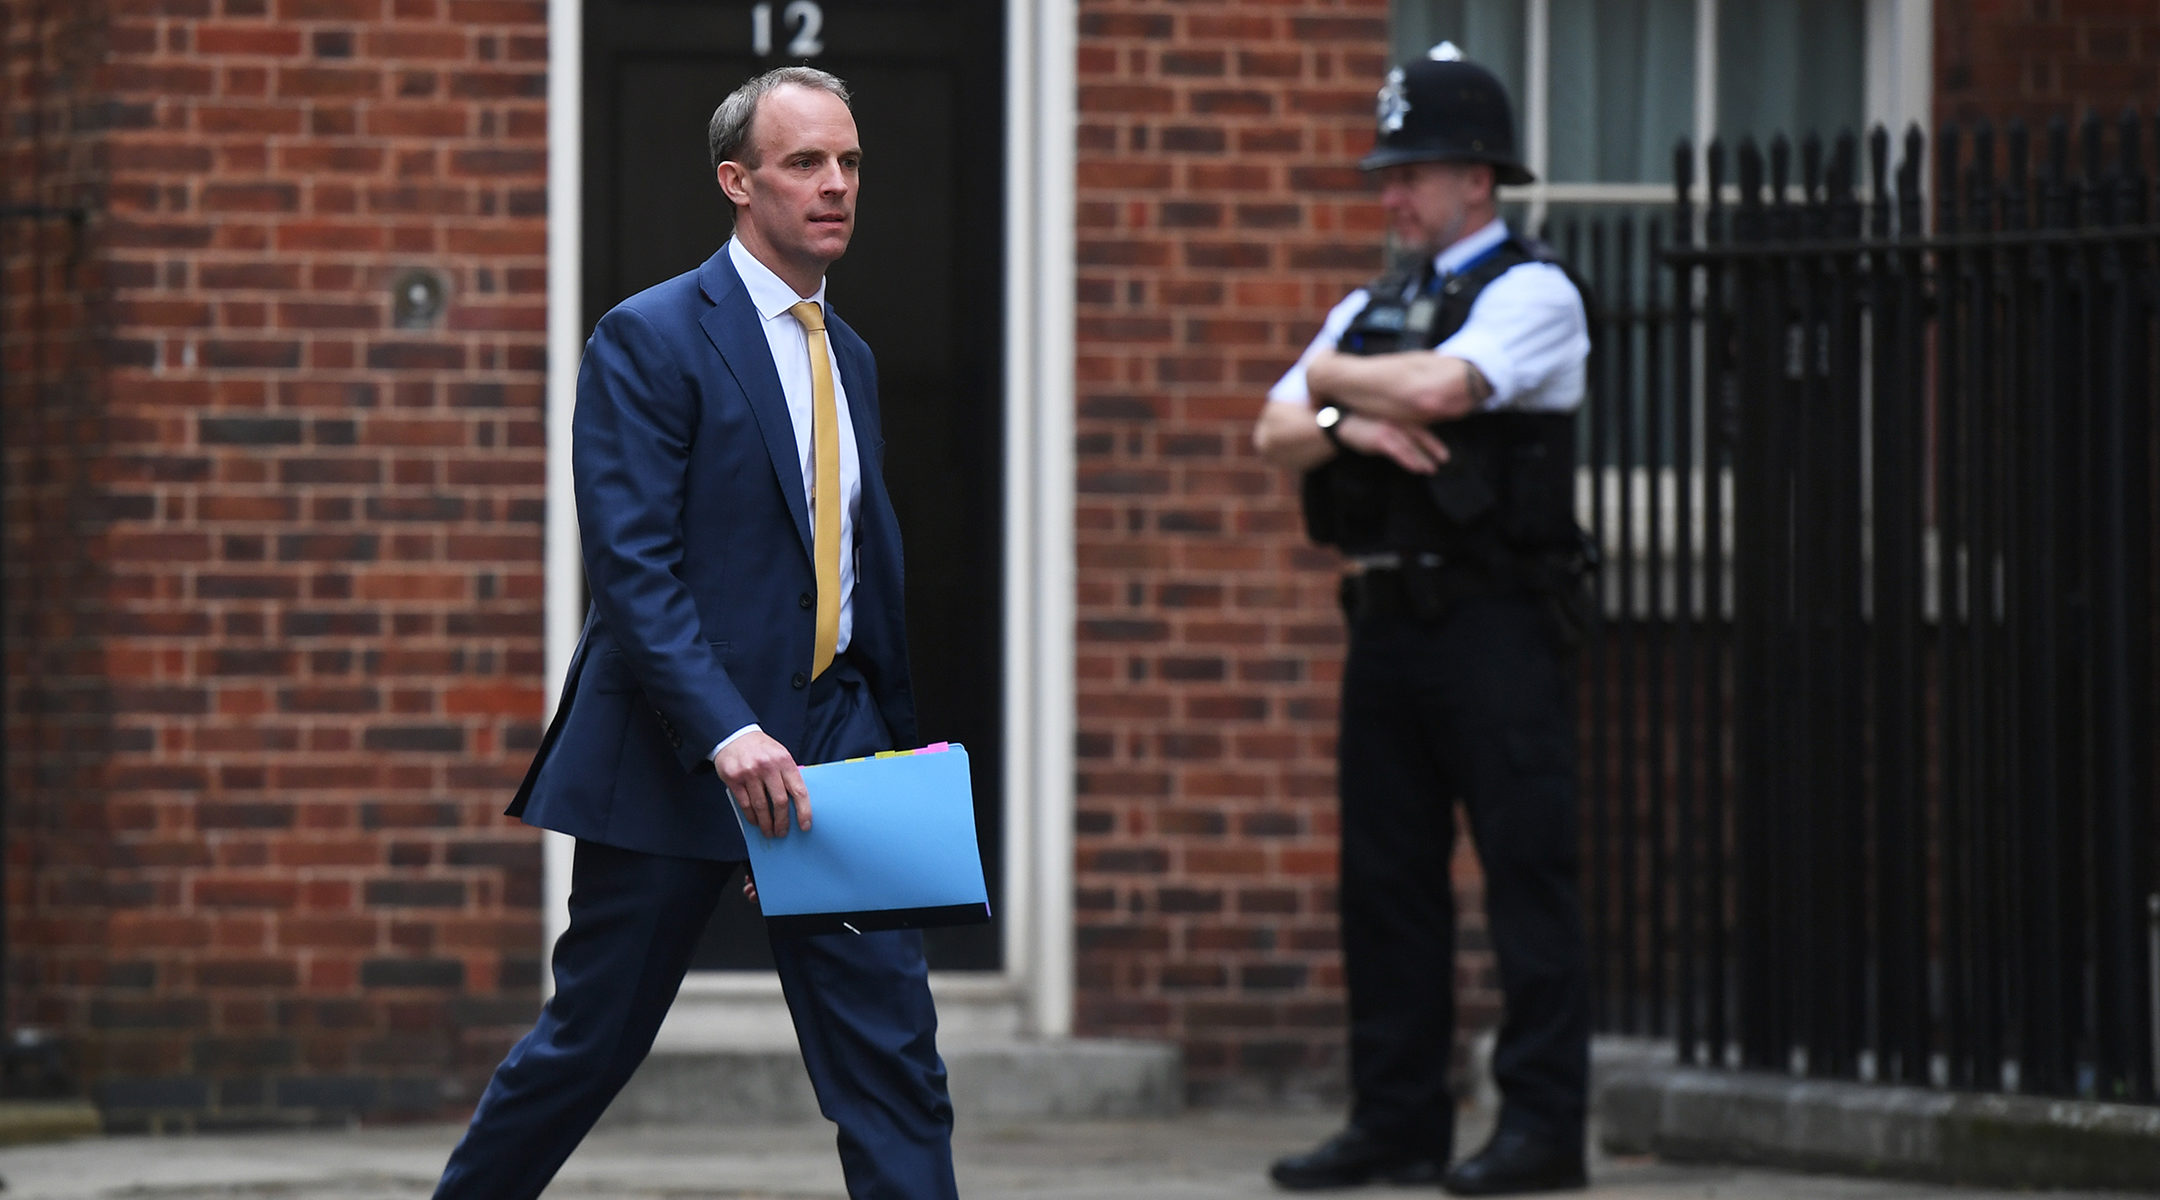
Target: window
1604, 89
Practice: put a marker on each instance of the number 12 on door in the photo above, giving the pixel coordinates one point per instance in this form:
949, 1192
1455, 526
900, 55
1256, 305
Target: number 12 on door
805, 18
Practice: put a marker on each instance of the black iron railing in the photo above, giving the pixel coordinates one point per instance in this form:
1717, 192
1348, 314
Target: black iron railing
1870, 720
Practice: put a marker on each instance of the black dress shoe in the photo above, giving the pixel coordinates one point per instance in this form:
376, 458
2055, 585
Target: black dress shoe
1514, 1162
1353, 1157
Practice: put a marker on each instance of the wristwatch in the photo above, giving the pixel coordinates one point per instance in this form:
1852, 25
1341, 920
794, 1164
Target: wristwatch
1329, 419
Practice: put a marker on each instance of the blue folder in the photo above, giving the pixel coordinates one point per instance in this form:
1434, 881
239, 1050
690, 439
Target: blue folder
891, 845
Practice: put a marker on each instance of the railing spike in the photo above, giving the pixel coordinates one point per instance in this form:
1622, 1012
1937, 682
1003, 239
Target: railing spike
1878, 148
1747, 226
2089, 136
1948, 150
1980, 190
1683, 186
2056, 211
2130, 185
1912, 221
2091, 189
1714, 219
2017, 181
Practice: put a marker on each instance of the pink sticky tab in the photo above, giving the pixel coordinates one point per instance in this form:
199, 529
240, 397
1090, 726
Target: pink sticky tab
935, 748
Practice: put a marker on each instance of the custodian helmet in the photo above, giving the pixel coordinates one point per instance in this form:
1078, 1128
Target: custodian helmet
1444, 108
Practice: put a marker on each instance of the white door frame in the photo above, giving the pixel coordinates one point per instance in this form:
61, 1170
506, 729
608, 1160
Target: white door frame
1032, 996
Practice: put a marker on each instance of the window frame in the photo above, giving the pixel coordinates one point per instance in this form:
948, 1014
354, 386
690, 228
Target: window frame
1898, 70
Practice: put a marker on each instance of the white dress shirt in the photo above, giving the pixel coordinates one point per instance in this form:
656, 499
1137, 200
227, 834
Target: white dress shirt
790, 344
1526, 333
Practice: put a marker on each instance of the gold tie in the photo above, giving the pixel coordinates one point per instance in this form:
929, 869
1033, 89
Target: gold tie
825, 499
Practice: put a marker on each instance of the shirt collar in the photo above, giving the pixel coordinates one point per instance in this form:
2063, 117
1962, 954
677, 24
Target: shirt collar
769, 294
1470, 248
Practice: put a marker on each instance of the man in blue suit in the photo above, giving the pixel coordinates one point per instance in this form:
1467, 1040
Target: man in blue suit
745, 571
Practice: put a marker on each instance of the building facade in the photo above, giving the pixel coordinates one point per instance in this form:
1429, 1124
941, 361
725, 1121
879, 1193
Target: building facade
289, 567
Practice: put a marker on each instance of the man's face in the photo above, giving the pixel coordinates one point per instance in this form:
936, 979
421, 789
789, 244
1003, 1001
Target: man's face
1428, 203
799, 201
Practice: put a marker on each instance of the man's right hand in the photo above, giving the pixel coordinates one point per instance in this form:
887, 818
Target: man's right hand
763, 779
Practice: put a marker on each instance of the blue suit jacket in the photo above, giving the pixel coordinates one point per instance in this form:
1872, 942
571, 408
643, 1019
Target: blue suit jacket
697, 538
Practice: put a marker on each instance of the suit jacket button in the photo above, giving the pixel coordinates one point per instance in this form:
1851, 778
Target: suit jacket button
806, 600
801, 680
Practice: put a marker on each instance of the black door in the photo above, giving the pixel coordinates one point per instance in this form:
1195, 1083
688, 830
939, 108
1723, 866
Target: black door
921, 282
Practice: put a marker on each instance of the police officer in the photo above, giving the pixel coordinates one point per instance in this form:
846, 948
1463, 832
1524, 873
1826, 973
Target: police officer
1433, 417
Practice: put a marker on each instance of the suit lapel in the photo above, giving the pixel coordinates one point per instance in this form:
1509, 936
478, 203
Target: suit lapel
738, 334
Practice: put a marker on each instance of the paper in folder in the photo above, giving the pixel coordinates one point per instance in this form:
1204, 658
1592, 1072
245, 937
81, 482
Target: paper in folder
891, 845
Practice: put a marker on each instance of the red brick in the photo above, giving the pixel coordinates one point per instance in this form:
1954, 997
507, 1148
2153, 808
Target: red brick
407, 45
309, 83
265, 40
328, 10
420, 120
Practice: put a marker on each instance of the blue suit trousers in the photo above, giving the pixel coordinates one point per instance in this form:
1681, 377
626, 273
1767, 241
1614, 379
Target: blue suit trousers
861, 1007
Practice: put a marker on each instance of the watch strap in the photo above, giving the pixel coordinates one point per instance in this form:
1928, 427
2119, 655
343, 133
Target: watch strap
1331, 429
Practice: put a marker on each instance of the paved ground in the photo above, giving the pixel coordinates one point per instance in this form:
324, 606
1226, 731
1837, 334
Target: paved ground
1201, 1156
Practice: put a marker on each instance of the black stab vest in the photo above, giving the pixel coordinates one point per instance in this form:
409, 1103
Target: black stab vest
1507, 491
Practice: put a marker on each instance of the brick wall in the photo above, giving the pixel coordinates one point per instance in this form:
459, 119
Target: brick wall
2040, 59
310, 549
1220, 217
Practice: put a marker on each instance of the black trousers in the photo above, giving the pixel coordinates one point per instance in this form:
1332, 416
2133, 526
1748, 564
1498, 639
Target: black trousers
1473, 707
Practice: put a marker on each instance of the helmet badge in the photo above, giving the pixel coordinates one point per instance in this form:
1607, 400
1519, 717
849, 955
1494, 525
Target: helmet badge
1393, 106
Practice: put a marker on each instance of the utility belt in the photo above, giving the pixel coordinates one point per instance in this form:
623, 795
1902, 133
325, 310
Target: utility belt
1422, 588
1425, 587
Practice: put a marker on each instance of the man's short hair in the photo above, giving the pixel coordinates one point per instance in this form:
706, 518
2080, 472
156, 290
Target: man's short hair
728, 137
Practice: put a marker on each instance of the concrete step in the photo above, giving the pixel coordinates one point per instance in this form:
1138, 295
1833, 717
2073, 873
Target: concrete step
1693, 1114
27, 1122
990, 1081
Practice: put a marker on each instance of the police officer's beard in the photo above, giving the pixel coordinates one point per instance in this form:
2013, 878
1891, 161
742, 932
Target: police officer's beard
1448, 236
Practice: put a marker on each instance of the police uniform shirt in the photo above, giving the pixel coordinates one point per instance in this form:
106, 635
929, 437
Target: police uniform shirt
1526, 333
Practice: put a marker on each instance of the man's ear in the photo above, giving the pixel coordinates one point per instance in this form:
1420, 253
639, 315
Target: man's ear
1484, 181
734, 181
